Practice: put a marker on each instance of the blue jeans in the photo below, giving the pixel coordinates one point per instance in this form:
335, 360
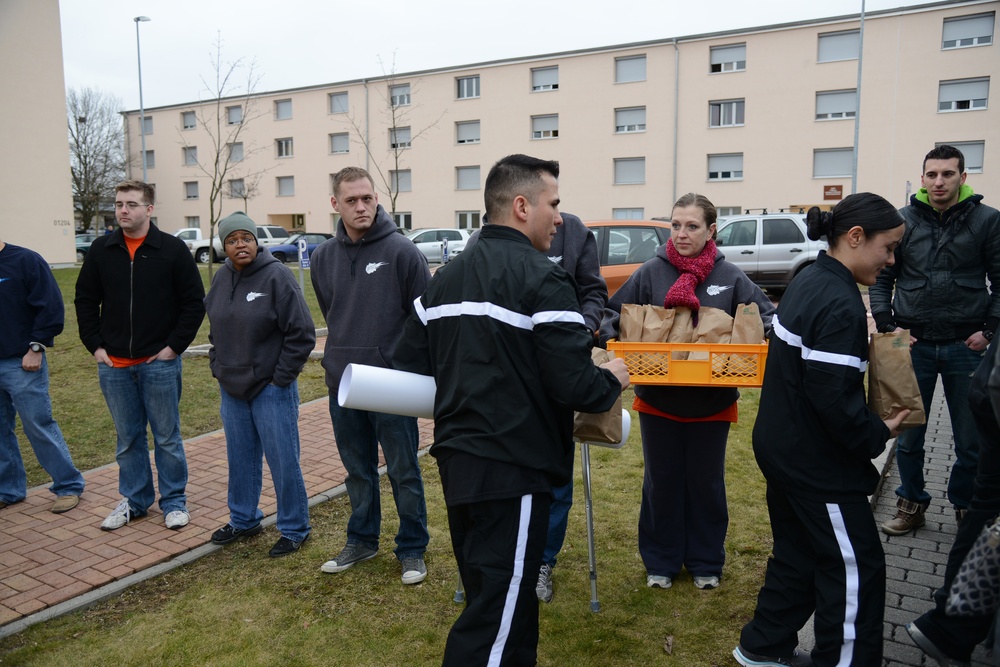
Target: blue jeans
562, 500
265, 426
137, 396
956, 363
27, 393
358, 434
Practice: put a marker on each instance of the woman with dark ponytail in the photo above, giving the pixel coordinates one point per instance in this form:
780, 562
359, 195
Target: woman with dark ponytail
684, 517
814, 439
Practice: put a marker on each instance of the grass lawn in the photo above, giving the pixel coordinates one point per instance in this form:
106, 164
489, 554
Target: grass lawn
238, 607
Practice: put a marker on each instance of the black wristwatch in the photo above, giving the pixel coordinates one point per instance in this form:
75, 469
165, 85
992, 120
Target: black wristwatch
36, 347
988, 334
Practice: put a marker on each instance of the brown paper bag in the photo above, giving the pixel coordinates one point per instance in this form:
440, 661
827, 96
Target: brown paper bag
714, 326
603, 427
892, 384
630, 323
748, 329
683, 330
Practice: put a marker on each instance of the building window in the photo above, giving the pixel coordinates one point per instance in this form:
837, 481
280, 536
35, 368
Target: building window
833, 162
730, 58
844, 45
399, 96
401, 180
630, 170
544, 78
188, 120
286, 186
236, 152
836, 104
234, 115
282, 109
191, 221
399, 137
340, 143
545, 127
237, 188
467, 132
631, 68
631, 119
403, 220
191, 190
726, 113
627, 213
721, 211
150, 159
284, 147
190, 156
727, 167
974, 152
962, 31
468, 87
338, 103
467, 178
467, 219
147, 125
963, 94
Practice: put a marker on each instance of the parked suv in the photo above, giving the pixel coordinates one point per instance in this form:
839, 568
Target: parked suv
267, 235
770, 248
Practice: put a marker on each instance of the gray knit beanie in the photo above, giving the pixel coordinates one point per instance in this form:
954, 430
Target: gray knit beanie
236, 222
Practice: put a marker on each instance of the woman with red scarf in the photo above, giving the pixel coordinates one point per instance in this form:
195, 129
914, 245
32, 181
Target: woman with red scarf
683, 518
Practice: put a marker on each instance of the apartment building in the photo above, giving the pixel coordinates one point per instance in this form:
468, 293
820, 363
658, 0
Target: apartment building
756, 118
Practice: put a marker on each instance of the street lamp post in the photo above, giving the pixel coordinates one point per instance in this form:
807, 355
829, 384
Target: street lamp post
142, 111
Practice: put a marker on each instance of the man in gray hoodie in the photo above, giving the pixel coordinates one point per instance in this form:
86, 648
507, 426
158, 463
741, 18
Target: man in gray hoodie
366, 279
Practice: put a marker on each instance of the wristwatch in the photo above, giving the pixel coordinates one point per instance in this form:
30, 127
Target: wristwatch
988, 334
36, 347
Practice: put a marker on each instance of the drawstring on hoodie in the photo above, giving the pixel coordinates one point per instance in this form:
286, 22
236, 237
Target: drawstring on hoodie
348, 251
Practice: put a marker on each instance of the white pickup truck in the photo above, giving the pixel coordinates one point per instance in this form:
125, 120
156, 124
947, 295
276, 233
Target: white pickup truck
197, 242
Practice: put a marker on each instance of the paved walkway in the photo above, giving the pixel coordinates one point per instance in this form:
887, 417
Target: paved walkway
54, 563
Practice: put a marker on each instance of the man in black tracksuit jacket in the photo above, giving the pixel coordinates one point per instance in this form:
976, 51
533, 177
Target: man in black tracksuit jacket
500, 330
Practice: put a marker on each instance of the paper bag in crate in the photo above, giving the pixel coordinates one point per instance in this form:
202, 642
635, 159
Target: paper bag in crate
892, 384
748, 329
604, 427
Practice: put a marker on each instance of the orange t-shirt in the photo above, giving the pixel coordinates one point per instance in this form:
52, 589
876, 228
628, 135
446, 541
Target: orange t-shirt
124, 362
729, 414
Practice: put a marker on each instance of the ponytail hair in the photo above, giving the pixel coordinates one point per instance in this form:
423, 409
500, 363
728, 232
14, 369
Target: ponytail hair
866, 210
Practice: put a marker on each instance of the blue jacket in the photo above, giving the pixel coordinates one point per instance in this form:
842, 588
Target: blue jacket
30, 302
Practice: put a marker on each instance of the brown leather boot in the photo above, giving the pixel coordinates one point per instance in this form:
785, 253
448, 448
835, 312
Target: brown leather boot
909, 516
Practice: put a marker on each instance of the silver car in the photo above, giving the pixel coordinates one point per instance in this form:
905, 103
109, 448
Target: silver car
431, 241
770, 248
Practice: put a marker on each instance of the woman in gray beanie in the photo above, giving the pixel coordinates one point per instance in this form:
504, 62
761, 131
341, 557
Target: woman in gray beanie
262, 334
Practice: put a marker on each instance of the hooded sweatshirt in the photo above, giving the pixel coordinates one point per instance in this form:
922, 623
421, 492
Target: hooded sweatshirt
261, 329
366, 291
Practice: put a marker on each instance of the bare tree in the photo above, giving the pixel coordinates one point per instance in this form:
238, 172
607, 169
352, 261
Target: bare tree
397, 110
232, 108
248, 188
97, 148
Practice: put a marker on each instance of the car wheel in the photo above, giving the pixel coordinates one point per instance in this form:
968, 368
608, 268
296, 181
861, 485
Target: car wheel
80, 255
280, 256
202, 256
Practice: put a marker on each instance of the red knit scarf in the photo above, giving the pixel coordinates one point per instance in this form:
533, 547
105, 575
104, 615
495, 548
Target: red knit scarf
693, 272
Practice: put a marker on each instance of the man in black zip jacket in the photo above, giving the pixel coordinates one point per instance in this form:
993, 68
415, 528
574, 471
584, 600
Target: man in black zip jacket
500, 329
139, 304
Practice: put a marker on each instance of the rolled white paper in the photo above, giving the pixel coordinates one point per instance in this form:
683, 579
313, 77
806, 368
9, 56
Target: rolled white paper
386, 390
400, 393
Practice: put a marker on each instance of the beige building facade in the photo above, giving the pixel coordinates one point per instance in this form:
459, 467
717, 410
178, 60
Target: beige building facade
762, 118
36, 191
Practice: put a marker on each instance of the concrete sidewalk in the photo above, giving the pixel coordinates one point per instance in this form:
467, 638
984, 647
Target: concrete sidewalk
51, 564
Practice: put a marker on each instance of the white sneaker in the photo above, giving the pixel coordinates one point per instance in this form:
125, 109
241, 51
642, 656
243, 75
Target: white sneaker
706, 583
120, 516
658, 581
176, 519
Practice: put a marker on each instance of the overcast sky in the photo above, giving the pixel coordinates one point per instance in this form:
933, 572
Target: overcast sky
310, 42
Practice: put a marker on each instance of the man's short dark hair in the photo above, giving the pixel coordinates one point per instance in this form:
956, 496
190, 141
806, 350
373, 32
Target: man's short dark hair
945, 152
350, 174
512, 176
147, 190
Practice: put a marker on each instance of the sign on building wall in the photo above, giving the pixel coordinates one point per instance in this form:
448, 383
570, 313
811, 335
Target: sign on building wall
833, 192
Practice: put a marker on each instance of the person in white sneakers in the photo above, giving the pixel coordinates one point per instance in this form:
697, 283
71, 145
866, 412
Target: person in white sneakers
139, 303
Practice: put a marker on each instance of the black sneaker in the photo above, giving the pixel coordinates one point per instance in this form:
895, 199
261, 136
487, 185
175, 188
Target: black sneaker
285, 546
229, 533
349, 556
748, 659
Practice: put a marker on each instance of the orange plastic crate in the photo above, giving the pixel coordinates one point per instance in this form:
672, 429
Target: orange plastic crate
709, 365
